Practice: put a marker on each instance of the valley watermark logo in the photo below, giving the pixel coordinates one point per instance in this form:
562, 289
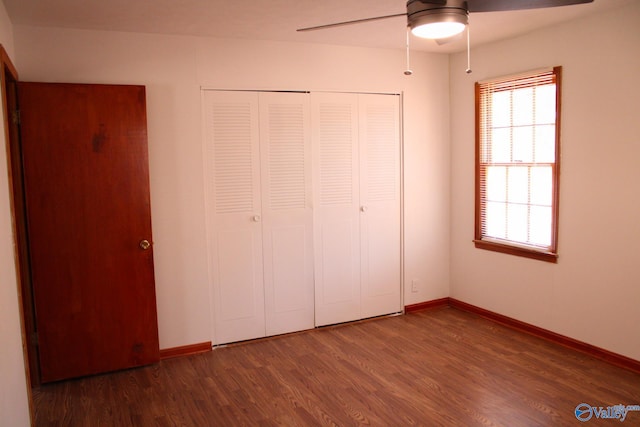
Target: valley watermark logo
584, 412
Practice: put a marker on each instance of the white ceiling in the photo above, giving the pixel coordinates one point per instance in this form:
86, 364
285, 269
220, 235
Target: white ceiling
279, 19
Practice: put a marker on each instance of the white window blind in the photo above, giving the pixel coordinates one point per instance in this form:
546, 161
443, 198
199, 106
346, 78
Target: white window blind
517, 161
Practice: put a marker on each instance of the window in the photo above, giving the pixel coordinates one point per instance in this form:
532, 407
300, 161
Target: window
517, 164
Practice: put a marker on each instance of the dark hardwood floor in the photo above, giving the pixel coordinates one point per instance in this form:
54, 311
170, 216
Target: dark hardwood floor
437, 367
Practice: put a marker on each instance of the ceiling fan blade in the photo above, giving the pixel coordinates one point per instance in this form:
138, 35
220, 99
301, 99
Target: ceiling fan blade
356, 21
506, 5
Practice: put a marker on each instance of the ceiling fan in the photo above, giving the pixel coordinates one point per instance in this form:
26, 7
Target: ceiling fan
441, 19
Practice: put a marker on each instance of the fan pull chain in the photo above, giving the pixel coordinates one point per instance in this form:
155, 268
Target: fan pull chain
408, 71
468, 70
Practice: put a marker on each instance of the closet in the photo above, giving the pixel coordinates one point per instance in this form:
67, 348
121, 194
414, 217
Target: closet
303, 209
356, 176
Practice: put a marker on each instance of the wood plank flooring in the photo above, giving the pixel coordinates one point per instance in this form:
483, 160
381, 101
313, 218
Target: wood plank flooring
440, 367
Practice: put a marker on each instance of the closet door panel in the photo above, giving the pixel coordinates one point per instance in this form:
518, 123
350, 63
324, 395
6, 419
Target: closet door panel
238, 296
337, 279
336, 207
234, 225
380, 204
287, 215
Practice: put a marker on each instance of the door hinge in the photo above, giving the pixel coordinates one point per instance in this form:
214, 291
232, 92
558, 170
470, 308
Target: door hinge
15, 117
34, 338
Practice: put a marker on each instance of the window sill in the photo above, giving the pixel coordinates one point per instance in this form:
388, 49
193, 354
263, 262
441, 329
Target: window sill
516, 250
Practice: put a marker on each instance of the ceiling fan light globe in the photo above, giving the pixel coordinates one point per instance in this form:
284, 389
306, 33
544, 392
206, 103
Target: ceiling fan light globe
437, 30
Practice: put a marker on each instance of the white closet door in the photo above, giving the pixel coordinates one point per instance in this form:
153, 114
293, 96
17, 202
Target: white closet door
234, 212
380, 204
336, 207
287, 217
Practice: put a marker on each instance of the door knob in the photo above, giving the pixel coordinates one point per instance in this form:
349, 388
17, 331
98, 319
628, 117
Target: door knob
363, 208
145, 244
255, 218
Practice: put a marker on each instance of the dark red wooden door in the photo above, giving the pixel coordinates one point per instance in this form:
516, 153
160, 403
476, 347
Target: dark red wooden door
87, 198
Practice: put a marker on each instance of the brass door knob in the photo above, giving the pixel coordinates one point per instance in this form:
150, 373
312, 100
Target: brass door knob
145, 244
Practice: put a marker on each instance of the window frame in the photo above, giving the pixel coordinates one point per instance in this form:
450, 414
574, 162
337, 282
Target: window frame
505, 246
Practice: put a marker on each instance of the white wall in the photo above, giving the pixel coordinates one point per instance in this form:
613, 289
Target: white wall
593, 293
14, 407
174, 68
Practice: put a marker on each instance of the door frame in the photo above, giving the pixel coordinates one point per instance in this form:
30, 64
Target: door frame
9, 79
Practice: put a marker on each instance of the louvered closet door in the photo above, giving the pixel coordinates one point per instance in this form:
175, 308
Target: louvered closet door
234, 214
336, 207
380, 204
287, 218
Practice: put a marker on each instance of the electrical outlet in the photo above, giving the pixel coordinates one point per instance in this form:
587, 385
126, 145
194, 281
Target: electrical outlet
414, 285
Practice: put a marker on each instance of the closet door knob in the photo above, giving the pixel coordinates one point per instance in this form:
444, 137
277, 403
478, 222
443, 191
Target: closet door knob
255, 218
363, 208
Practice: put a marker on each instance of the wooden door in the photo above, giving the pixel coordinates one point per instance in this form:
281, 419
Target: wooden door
287, 225
234, 215
88, 216
336, 207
